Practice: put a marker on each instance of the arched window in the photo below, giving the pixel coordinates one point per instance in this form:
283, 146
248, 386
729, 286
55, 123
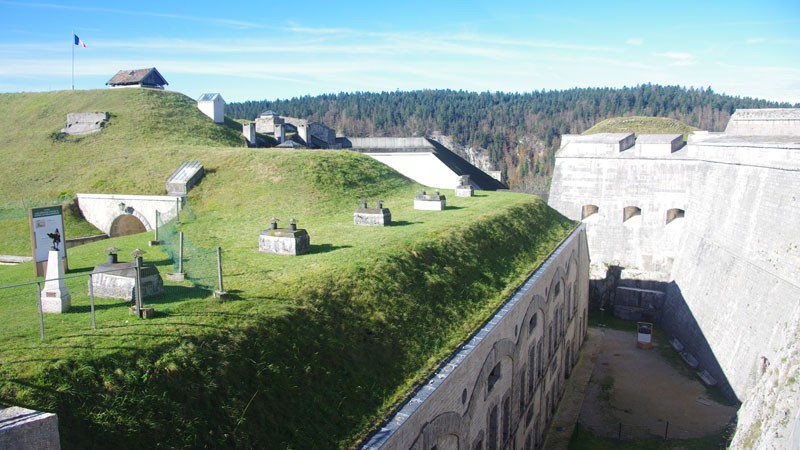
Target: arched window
674, 213
630, 212
588, 210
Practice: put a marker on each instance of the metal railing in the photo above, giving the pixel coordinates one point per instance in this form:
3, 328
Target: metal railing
38, 283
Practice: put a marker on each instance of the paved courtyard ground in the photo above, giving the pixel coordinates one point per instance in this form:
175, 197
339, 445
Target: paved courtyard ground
617, 383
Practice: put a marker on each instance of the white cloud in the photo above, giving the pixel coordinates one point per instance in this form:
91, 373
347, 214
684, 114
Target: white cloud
635, 41
678, 58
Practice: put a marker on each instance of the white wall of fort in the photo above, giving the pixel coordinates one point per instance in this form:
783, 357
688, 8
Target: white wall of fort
733, 266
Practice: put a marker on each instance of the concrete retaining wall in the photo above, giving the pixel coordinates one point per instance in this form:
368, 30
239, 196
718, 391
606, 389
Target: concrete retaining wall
501, 388
101, 210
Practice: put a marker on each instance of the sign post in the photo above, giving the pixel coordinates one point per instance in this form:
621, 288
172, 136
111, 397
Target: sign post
47, 232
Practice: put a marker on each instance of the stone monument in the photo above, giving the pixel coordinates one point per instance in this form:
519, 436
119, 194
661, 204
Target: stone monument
429, 202
464, 188
55, 295
115, 279
291, 241
372, 217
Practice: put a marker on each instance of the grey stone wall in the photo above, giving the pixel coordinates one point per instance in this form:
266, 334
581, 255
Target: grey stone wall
502, 387
733, 263
586, 176
25, 429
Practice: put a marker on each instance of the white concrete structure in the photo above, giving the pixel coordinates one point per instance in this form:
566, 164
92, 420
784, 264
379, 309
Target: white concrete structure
423, 160
55, 296
717, 222
115, 214
501, 388
212, 105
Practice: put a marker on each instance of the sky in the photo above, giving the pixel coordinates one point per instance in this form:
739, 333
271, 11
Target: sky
279, 50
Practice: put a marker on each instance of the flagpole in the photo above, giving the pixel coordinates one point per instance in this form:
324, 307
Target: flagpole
73, 59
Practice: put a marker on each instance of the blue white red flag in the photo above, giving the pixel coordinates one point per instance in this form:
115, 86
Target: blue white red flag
78, 41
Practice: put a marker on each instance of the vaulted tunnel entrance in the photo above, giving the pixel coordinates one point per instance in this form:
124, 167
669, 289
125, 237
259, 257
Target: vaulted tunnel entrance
126, 224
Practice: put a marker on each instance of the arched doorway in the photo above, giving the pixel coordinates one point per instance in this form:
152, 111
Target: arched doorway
126, 224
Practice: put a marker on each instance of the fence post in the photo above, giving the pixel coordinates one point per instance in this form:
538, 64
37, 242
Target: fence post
41, 313
138, 294
177, 210
220, 293
180, 252
91, 301
158, 218
666, 430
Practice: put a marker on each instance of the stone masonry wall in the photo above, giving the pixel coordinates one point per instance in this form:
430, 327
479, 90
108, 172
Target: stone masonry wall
613, 182
739, 275
501, 388
733, 264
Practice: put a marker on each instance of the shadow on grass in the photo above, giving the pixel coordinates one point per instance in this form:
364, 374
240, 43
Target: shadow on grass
453, 208
402, 223
325, 248
84, 309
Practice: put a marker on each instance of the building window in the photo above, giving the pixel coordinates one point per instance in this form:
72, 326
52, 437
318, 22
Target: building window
492, 438
506, 420
588, 210
494, 377
532, 323
674, 213
630, 212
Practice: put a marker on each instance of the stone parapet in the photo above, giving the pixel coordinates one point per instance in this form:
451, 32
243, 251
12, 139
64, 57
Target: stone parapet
430, 202
372, 217
284, 241
118, 280
26, 429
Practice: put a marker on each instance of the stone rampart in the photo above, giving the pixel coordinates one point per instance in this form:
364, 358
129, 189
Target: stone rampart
733, 263
764, 122
633, 206
502, 387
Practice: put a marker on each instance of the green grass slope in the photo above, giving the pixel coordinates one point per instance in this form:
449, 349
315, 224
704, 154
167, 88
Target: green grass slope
135, 153
641, 125
149, 134
310, 351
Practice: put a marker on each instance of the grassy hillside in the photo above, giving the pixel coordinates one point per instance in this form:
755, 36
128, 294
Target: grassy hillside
148, 135
309, 352
641, 125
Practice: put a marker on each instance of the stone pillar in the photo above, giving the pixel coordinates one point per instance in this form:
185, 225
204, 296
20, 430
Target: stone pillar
55, 295
302, 132
280, 133
249, 133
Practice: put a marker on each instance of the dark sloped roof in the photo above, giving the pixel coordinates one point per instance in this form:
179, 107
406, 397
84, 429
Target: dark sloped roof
149, 76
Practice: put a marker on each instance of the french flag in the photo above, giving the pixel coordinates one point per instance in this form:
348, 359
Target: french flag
78, 41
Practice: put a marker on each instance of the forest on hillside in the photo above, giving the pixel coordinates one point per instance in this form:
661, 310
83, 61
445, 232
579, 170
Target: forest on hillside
517, 133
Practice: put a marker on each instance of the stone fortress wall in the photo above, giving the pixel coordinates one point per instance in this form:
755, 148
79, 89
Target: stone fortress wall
501, 388
728, 269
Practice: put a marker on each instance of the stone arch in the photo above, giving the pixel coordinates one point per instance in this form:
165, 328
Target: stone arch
503, 348
125, 224
442, 433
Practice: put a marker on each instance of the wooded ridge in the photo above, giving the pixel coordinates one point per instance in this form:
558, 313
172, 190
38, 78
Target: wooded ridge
517, 133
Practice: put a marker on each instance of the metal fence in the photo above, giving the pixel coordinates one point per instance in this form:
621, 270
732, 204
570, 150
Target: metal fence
20, 299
